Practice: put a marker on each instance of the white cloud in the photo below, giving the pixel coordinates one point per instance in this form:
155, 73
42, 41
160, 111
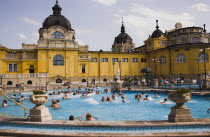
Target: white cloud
80, 42
32, 22
201, 7
106, 2
83, 31
140, 21
21, 36
33, 38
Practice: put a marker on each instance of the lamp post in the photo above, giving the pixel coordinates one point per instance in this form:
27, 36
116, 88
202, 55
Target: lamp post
120, 68
203, 49
154, 59
159, 61
198, 67
113, 69
1, 77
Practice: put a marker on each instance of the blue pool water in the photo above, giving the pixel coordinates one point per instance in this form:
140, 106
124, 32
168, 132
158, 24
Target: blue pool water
92, 129
132, 110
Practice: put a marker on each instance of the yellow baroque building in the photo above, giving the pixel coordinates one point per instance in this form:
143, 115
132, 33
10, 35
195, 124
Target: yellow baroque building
57, 58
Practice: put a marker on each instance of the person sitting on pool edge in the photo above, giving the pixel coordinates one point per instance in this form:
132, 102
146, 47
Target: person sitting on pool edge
89, 117
147, 97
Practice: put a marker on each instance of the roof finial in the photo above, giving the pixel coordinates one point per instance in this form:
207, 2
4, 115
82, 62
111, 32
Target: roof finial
157, 24
122, 27
204, 28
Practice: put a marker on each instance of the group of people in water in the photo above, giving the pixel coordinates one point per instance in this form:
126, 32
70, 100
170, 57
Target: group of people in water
88, 117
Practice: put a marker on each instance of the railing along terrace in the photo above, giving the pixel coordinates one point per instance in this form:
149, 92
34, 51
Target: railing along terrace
20, 56
25, 75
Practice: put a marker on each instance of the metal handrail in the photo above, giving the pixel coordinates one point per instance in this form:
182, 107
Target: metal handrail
15, 103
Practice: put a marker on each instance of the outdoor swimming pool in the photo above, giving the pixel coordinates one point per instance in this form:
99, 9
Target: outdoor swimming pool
131, 110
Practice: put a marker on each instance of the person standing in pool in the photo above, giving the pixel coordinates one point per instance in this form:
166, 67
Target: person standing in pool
4, 103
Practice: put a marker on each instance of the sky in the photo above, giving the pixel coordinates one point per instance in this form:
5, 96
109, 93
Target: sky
98, 22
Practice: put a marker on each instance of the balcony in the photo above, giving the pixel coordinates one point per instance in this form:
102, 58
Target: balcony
84, 57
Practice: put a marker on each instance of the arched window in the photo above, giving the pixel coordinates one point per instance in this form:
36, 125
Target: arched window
9, 83
183, 40
83, 80
58, 60
58, 81
180, 58
57, 35
105, 80
201, 57
162, 60
29, 82
195, 39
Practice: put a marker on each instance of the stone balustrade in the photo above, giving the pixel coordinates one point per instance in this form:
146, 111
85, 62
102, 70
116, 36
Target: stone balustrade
26, 75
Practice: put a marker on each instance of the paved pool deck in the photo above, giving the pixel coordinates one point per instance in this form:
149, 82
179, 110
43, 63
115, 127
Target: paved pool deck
22, 133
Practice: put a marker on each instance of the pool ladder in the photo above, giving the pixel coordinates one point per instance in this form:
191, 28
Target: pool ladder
16, 103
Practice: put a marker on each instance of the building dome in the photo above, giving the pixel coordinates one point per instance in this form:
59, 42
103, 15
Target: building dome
157, 33
56, 19
123, 37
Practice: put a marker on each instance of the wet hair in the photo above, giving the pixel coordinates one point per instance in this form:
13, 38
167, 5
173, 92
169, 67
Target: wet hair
22, 96
14, 95
147, 96
58, 101
71, 117
88, 115
50, 94
165, 99
74, 93
5, 101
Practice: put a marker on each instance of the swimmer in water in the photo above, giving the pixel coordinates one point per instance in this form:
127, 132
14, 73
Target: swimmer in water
147, 97
156, 95
65, 96
113, 96
103, 99
4, 103
165, 101
109, 99
120, 93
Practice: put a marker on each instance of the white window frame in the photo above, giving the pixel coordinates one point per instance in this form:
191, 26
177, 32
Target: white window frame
134, 59
181, 58
124, 59
94, 59
13, 67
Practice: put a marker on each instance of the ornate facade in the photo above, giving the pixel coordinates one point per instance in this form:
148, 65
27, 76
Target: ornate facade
57, 58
